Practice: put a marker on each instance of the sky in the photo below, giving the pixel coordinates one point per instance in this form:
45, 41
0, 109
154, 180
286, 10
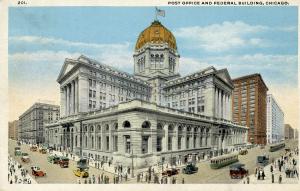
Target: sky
245, 40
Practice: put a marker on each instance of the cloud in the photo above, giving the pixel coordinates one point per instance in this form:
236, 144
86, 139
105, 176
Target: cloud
117, 55
228, 36
62, 42
277, 69
222, 37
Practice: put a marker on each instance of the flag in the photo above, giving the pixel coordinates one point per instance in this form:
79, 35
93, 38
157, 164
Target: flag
160, 12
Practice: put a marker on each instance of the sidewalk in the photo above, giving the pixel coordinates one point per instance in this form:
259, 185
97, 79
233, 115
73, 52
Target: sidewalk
268, 177
20, 179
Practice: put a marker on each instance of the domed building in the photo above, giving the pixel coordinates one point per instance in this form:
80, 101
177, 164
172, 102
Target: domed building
156, 53
152, 117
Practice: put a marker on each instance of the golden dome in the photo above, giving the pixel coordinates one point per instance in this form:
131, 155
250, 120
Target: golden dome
158, 34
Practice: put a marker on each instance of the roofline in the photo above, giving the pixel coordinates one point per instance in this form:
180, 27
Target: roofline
37, 103
252, 75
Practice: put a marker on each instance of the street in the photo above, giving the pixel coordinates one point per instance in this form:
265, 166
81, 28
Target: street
205, 174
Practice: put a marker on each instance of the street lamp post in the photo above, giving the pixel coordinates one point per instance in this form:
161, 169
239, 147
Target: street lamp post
132, 175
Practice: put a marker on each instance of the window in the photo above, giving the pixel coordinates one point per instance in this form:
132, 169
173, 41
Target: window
107, 143
145, 144
179, 143
169, 143
99, 142
94, 94
127, 144
90, 93
158, 144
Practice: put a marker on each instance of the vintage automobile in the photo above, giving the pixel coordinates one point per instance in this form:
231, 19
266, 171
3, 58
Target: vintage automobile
37, 172
43, 150
25, 157
63, 162
243, 152
238, 171
262, 160
170, 172
190, 169
81, 172
18, 151
33, 148
53, 159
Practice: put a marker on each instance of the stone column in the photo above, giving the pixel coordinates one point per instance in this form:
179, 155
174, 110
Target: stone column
216, 102
62, 101
230, 108
183, 138
76, 95
165, 138
220, 103
71, 97
68, 99
225, 106
175, 139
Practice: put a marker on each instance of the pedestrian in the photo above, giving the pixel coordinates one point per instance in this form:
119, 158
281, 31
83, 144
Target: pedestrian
90, 180
94, 179
272, 177
263, 175
78, 181
85, 181
182, 181
248, 180
255, 172
280, 179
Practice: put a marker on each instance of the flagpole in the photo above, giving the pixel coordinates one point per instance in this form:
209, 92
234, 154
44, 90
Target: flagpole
155, 13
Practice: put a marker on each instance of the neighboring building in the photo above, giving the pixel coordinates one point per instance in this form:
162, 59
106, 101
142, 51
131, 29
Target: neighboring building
296, 133
155, 114
31, 122
288, 132
275, 121
13, 128
250, 106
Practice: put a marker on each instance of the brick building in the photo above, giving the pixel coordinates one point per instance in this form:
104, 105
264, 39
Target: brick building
249, 106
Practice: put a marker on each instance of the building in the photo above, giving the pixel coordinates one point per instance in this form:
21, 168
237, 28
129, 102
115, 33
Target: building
275, 121
288, 132
13, 128
296, 133
147, 118
250, 106
31, 122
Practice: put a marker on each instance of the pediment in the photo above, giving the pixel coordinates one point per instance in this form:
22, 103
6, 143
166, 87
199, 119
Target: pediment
224, 75
67, 66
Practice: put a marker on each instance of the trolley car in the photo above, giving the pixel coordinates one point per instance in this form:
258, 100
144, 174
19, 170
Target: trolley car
276, 147
224, 160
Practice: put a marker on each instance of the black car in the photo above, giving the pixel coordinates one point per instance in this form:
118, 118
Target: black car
190, 169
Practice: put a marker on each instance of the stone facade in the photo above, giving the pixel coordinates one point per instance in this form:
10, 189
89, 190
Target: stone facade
275, 121
13, 128
288, 132
31, 122
145, 131
109, 115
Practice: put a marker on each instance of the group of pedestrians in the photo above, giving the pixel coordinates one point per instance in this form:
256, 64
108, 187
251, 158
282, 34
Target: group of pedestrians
101, 179
283, 167
17, 174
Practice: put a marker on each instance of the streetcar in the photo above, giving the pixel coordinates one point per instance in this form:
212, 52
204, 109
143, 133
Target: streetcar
276, 147
224, 160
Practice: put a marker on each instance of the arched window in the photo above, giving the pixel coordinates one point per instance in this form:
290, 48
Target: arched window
76, 141
98, 128
146, 124
92, 129
170, 127
126, 124
106, 127
159, 126
86, 142
116, 126
92, 141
